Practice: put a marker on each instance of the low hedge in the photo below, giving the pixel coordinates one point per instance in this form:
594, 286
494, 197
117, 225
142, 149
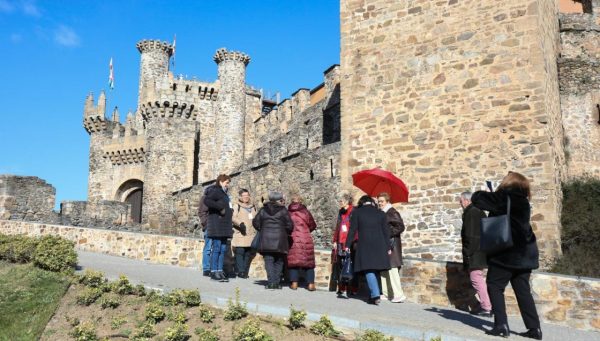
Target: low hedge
48, 252
580, 230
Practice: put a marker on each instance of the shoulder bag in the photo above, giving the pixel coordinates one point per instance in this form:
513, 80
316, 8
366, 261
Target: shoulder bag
496, 235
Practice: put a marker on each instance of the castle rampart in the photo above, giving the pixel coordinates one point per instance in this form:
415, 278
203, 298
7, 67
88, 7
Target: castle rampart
579, 77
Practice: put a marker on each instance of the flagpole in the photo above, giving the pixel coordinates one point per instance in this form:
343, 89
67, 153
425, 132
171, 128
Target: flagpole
174, 47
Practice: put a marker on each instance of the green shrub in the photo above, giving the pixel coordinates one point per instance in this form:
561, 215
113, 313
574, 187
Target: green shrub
297, 318
374, 335
206, 334
235, 310
109, 302
145, 330
18, 248
88, 296
191, 298
251, 331
139, 290
177, 317
85, 331
206, 315
117, 321
437, 338
55, 254
177, 332
122, 286
153, 296
154, 313
92, 278
580, 230
324, 328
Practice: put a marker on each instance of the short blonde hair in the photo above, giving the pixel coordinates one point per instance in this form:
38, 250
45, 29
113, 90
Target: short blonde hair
384, 195
297, 198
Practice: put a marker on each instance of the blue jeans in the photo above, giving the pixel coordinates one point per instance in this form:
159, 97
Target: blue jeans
373, 284
295, 274
217, 255
206, 254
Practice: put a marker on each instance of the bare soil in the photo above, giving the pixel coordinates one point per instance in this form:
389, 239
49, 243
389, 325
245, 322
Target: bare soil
131, 310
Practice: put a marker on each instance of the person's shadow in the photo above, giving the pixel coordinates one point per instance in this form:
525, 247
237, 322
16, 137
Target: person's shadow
466, 318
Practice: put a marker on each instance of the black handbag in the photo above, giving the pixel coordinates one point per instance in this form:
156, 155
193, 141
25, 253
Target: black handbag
256, 241
496, 235
347, 271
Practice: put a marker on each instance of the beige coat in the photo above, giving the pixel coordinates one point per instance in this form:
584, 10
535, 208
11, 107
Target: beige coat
241, 215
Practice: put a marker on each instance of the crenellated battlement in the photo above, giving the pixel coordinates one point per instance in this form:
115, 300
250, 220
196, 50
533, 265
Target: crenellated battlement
168, 110
94, 124
223, 54
126, 156
155, 45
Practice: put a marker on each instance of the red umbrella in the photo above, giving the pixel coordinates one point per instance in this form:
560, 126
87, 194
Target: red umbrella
376, 180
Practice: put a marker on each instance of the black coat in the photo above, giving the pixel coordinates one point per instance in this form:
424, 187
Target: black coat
470, 232
396, 225
373, 238
219, 224
524, 254
274, 225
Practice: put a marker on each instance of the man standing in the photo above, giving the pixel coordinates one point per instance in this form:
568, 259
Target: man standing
473, 259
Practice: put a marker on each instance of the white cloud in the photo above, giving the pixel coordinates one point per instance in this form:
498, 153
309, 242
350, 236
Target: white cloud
31, 9
65, 36
6, 6
16, 38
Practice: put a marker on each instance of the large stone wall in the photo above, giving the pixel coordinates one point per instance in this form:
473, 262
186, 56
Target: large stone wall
559, 299
579, 67
27, 198
446, 95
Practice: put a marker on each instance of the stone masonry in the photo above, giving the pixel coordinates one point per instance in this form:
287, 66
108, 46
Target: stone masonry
448, 94
579, 77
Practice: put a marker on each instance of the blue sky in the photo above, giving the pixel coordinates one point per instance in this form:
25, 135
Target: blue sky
55, 52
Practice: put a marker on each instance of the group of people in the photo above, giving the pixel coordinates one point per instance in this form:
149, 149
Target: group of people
369, 234
282, 235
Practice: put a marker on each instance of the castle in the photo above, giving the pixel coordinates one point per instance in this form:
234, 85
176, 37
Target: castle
185, 132
446, 94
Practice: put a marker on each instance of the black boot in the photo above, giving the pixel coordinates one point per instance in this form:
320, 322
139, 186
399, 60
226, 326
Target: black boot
223, 277
500, 330
214, 275
533, 333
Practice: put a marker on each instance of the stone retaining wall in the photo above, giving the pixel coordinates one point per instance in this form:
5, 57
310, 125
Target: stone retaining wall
563, 300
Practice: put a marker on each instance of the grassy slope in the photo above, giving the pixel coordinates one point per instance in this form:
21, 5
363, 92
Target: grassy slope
28, 298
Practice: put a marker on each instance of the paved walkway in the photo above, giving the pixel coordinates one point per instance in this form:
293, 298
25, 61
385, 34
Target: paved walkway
407, 320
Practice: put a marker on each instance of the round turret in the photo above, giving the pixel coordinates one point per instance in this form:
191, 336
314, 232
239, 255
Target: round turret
154, 64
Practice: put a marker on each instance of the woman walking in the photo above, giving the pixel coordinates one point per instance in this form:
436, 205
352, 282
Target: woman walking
390, 280
302, 251
274, 225
374, 243
514, 264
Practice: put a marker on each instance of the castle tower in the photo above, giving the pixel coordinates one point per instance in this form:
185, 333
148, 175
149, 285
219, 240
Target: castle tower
446, 98
100, 130
170, 141
229, 122
154, 63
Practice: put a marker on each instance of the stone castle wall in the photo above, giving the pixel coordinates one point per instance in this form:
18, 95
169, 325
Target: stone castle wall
579, 90
447, 95
559, 299
27, 198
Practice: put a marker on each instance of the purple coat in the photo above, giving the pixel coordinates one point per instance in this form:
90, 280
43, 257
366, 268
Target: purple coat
302, 249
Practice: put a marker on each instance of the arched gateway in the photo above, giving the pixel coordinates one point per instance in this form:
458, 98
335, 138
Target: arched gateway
131, 192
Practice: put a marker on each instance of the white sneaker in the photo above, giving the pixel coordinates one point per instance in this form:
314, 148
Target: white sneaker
398, 299
383, 298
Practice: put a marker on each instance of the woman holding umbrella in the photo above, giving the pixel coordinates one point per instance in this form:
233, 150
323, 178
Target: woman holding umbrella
374, 243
